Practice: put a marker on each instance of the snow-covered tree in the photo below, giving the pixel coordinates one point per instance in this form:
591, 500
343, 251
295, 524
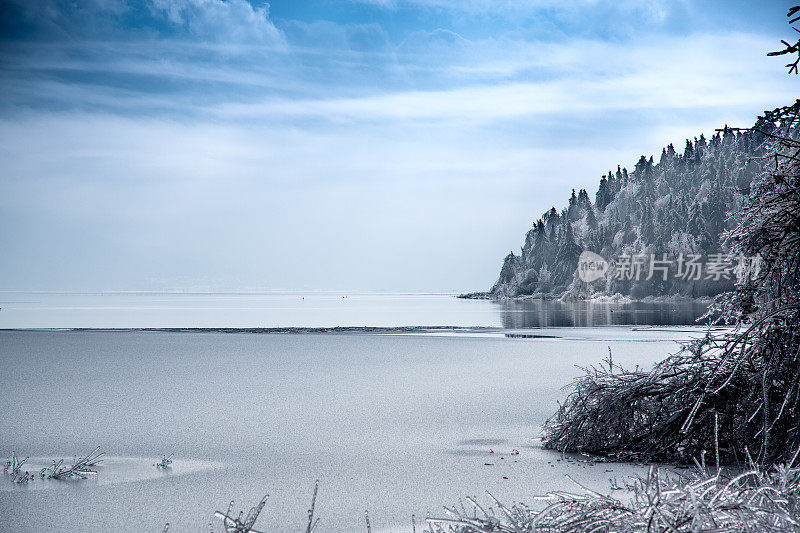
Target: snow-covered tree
681, 204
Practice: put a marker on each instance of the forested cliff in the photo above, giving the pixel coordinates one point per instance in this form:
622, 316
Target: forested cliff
678, 205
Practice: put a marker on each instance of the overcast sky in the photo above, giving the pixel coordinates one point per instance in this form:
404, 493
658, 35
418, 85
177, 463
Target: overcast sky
373, 145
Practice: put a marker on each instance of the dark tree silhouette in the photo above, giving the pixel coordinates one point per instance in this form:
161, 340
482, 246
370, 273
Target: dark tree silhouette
791, 48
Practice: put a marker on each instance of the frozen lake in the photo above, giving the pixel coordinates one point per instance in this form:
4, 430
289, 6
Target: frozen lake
320, 309
397, 424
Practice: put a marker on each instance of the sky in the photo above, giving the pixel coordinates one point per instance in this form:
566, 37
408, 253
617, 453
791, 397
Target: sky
375, 145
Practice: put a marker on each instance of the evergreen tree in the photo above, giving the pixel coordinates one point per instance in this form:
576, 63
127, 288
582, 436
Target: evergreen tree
680, 205
603, 196
688, 152
591, 219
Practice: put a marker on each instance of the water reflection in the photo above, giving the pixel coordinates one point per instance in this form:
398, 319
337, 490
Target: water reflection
540, 313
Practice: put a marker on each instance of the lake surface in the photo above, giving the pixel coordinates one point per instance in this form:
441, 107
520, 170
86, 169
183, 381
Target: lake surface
289, 309
396, 424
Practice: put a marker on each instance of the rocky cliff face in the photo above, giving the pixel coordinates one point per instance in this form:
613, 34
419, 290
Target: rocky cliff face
679, 206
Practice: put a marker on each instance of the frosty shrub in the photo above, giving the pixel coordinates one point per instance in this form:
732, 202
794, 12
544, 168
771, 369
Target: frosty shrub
752, 501
13, 467
82, 468
729, 395
246, 524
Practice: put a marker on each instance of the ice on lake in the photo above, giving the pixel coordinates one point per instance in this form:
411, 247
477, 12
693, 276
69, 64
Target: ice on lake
112, 470
397, 424
321, 309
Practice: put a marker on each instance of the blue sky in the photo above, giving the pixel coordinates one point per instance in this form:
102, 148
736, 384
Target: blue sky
373, 145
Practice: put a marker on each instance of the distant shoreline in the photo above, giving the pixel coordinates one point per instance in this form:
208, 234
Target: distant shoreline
603, 298
509, 332
286, 330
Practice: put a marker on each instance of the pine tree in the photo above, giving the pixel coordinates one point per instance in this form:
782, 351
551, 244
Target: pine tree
591, 219
680, 205
602, 198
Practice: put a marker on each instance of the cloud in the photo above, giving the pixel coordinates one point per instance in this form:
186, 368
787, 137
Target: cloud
651, 11
443, 77
249, 202
52, 19
219, 20
559, 19
322, 36
206, 20
584, 77
438, 40
206, 140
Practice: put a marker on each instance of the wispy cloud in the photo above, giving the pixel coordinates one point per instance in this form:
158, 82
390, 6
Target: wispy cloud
644, 78
203, 132
517, 5
220, 20
476, 82
210, 20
